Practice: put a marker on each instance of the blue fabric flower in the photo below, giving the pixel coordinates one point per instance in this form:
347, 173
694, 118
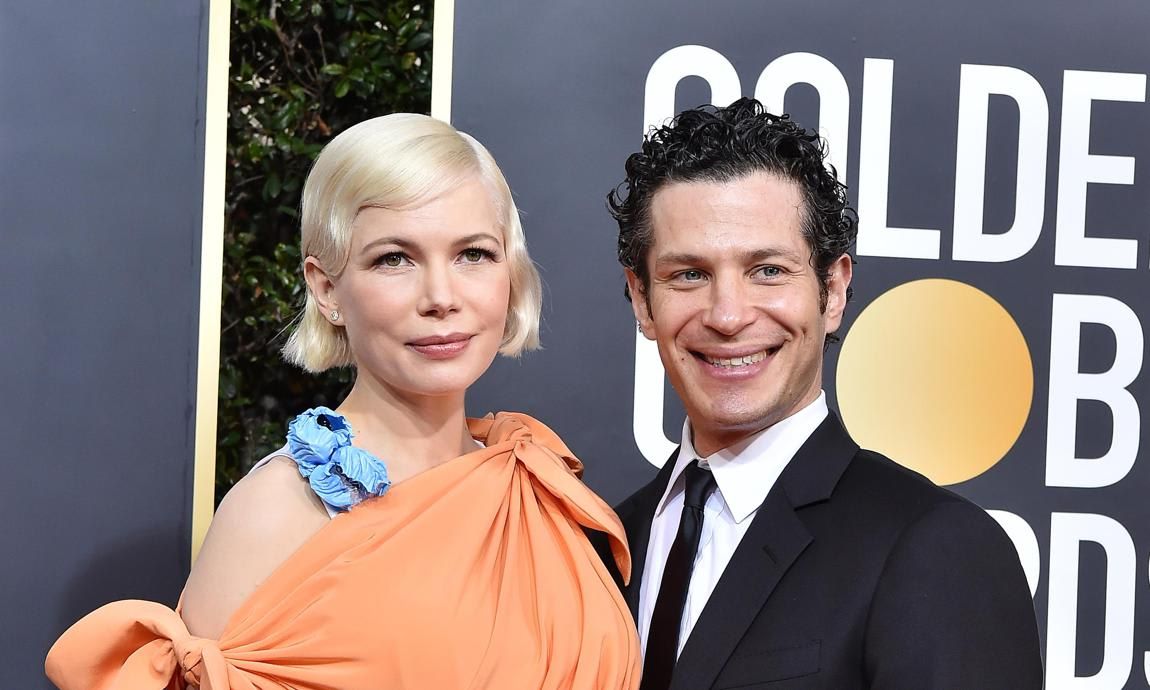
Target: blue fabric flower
340, 474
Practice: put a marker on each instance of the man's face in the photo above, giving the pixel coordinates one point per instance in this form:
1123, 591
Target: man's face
734, 304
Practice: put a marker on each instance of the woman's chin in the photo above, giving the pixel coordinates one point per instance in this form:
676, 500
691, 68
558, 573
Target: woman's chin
442, 384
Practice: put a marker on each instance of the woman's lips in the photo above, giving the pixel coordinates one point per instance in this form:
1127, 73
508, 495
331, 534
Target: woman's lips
441, 347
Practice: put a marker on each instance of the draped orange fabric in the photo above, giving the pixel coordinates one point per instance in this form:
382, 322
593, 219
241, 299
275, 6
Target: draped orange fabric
474, 574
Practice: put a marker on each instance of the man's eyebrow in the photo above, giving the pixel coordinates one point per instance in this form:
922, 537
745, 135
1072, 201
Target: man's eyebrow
772, 253
765, 254
678, 258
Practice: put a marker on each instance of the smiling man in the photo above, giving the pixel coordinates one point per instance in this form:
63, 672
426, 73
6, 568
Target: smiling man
770, 549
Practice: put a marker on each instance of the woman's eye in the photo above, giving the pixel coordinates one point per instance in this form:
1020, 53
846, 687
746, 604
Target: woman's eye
393, 260
474, 255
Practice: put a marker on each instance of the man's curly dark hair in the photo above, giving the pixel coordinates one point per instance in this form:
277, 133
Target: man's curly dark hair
722, 144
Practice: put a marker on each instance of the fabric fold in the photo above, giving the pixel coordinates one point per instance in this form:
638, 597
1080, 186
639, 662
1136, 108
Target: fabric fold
132, 645
544, 452
474, 574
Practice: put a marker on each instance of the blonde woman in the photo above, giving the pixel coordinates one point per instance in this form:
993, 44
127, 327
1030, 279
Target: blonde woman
393, 542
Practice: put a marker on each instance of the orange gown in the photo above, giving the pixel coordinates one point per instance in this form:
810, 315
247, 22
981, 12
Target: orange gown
474, 574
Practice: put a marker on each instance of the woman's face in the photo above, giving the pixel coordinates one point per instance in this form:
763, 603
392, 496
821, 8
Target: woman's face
425, 292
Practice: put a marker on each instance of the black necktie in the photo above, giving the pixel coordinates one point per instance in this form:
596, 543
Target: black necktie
663, 635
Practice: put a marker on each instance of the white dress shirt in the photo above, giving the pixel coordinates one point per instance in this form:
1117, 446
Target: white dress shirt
744, 474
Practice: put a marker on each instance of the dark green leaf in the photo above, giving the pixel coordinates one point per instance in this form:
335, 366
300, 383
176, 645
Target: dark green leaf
419, 40
272, 186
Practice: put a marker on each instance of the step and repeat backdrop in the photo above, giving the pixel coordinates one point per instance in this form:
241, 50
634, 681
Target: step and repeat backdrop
996, 341
107, 125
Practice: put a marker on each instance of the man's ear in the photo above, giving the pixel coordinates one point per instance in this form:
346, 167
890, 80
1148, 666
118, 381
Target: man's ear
838, 280
321, 286
639, 304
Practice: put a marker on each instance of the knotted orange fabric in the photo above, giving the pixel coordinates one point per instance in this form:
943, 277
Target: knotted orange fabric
474, 574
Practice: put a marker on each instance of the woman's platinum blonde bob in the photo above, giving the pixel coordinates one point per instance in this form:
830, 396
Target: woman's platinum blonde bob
400, 161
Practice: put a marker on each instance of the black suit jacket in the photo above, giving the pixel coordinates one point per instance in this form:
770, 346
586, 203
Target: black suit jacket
856, 573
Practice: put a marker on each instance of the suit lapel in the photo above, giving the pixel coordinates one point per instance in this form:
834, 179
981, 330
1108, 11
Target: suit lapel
639, 533
636, 514
775, 540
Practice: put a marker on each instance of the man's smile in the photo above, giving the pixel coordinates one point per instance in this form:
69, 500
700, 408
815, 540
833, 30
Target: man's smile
736, 359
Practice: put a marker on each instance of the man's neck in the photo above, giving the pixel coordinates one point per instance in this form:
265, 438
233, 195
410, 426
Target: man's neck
708, 441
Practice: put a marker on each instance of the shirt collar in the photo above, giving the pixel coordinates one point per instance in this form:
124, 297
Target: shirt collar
746, 471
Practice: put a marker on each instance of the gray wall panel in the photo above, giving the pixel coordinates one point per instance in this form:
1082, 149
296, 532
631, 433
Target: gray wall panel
101, 143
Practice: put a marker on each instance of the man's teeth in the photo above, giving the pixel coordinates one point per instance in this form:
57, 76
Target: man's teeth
737, 361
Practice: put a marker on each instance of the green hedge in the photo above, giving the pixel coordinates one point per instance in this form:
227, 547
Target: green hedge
301, 72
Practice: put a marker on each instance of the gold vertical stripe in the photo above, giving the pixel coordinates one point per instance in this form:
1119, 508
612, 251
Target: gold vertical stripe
441, 51
211, 270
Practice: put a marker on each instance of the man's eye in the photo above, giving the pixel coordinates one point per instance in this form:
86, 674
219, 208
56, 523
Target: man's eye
691, 276
770, 271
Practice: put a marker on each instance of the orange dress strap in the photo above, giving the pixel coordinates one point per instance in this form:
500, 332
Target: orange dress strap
539, 445
474, 574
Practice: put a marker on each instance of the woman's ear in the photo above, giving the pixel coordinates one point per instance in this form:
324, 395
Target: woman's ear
322, 288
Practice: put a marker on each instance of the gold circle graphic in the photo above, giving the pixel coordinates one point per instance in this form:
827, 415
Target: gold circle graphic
936, 375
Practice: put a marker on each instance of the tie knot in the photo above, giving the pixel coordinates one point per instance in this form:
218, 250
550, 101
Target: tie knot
699, 484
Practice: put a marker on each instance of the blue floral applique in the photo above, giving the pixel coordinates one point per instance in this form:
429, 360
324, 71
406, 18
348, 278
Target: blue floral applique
340, 474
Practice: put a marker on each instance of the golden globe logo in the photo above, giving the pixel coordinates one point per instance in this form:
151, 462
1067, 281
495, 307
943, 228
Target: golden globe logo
936, 375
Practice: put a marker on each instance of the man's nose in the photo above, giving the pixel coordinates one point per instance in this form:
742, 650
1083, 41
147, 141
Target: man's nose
730, 309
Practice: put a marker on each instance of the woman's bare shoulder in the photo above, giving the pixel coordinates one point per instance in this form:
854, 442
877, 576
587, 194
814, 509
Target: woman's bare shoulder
262, 521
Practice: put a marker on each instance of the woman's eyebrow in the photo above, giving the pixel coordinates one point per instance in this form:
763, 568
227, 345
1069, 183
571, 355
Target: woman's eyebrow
397, 241
477, 237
